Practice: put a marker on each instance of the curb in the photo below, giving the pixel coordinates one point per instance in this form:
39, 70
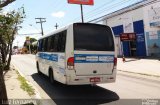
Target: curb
145, 74
37, 94
141, 76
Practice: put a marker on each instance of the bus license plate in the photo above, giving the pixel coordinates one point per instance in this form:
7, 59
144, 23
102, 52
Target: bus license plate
95, 79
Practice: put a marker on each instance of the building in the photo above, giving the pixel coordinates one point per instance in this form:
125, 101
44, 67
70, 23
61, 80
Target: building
143, 19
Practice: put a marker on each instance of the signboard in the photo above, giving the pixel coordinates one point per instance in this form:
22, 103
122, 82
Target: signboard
128, 36
27, 38
28, 42
83, 2
154, 16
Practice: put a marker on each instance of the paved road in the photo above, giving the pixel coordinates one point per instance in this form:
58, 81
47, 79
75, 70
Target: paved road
126, 91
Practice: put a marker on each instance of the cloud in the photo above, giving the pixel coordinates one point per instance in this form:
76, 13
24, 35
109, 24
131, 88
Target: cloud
59, 14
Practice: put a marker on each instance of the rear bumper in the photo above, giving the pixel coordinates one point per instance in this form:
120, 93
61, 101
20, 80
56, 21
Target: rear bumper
84, 80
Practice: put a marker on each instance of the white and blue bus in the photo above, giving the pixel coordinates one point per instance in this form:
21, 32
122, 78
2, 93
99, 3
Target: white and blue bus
81, 53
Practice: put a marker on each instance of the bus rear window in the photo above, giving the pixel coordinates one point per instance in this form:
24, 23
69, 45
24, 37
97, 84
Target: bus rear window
91, 37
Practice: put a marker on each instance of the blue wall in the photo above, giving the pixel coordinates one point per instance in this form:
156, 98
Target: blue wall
117, 30
139, 30
126, 50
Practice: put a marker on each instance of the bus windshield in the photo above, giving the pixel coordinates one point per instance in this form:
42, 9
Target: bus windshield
91, 37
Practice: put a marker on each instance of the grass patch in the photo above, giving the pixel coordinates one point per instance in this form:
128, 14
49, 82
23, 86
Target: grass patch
25, 86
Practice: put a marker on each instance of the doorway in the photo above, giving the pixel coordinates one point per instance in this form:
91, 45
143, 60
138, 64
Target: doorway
132, 45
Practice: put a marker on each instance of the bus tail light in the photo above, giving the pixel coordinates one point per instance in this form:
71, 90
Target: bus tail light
70, 63
115, 61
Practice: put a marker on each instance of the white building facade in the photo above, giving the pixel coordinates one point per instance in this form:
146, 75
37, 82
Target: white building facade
143, 19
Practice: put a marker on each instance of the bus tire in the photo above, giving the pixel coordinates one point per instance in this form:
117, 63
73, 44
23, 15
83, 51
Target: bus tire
51, 77
39, 72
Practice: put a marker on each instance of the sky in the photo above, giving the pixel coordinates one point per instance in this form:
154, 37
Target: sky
60, 12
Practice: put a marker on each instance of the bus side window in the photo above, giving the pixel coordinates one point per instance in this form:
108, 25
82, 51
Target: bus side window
46, 44
42, 49
59, 42
49, 44
62, 41
55, 45
40, 45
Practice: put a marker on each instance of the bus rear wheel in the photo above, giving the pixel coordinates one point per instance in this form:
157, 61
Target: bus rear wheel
51, 77
39, 72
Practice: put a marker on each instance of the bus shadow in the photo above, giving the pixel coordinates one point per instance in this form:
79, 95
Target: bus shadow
75, 95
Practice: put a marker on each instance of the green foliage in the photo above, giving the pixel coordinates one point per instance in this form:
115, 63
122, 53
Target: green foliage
32, 40
4, 3
9, 25
25, 86
33, 48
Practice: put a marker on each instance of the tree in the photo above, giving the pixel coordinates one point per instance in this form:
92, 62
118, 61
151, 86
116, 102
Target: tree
32, 48
4, 3
8, 29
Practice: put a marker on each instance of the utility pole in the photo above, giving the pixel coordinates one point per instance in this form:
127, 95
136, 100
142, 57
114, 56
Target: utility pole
82, 2
82, 13
41, 20
56, 25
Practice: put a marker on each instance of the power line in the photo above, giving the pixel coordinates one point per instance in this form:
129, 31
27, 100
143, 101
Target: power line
99, 9
34, 27
57, 3
107, 9
28, 34
60, 6
111, 7
98, 19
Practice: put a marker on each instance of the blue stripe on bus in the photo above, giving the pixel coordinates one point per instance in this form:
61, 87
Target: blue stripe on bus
93, 58
51, 57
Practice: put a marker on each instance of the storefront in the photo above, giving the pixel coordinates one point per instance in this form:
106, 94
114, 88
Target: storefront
143, 19
132, 47
131, 39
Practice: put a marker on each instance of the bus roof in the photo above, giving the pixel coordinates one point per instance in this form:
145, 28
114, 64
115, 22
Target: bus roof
62, 29
55, 31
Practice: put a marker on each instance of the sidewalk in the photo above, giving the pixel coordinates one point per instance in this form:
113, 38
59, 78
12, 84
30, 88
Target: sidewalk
150, 67
13, 87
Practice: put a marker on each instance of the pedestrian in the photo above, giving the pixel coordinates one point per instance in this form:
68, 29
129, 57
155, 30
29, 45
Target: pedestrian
123, 59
